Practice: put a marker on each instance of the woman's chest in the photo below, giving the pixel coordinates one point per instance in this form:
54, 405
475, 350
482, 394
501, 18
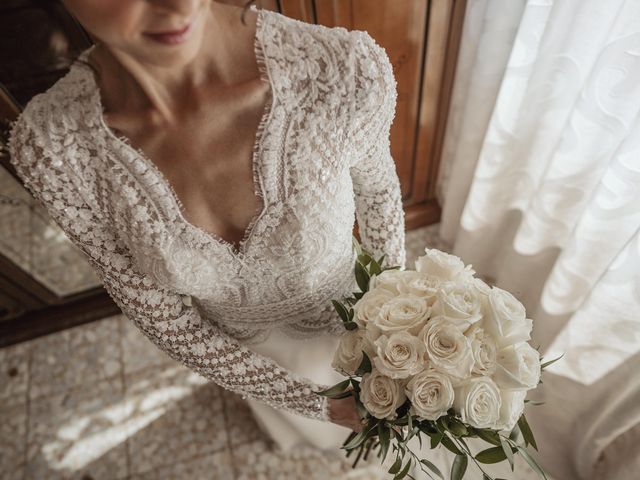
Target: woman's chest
293, 246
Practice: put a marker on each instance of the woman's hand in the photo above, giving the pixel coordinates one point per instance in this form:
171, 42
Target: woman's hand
343, 411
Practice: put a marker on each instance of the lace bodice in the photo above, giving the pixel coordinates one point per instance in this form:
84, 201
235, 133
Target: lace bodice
321, 160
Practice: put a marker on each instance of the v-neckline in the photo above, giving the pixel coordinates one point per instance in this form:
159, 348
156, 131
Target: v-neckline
240, 250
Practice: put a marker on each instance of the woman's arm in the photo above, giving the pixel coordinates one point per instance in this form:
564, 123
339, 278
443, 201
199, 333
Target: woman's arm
376, 185
158, 313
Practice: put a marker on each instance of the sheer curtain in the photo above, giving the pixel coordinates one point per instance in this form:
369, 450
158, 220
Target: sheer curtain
540, 188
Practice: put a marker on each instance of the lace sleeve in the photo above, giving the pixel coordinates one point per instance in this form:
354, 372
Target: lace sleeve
376, 185
161, 315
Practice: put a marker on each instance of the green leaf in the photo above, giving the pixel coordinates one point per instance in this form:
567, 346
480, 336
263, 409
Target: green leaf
344, 315
365, 365
489, 436
507, 450
383, 436
546, 364
526, 432
337, 388
491, 455
457, 427
351, 325
459, 467
404, 471
432, 467
356, 245
395, 468
364, 259
449, 445
531, 461
381, 259
436, 439
357, 440
362, 277
358, 295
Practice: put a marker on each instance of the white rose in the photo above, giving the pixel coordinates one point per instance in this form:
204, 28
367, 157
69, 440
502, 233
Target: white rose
518, 367
447, 349
381, 395
387, 280
478, 402
399, 355
505, 318
443, 265
484, 350
367, 308
431, 394
420, 284
459, 303
348, 356
405, 312
511, 409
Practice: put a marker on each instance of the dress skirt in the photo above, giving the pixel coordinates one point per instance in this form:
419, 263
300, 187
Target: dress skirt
310, 357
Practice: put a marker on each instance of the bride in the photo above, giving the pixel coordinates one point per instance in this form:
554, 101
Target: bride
210, 161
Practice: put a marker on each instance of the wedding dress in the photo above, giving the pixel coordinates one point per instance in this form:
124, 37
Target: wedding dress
256, 319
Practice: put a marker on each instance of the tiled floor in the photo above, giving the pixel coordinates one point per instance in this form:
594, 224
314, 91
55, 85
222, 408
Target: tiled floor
100, 401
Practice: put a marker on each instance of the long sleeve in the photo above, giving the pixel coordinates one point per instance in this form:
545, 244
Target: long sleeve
376, 185
173, 326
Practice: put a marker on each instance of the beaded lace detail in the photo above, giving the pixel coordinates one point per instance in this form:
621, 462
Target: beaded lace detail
321, 160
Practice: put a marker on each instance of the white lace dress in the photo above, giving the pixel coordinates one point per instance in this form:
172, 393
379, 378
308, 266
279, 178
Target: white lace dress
256, 320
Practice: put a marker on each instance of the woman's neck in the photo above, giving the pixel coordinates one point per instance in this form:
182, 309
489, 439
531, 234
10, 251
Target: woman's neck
127, 83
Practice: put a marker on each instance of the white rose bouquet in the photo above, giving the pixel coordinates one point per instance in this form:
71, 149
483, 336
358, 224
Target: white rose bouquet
435, 352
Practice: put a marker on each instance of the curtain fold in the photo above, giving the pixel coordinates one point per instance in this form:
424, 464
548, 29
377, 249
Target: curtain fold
540, 189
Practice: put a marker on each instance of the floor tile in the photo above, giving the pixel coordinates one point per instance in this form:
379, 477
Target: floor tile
13, 431
14, 370
241, 424
138, 352
79, 434
78, 356
212, 466
173, 410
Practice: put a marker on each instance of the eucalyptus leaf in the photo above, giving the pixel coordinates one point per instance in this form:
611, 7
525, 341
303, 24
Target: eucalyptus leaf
356, 245
507, 450
432, 467
337, 388
489, 436
375, 268
381, 259
362, 277
351, 325
395, 468
449, 445
341, 310
531, 461
526, 431
459, 467
436, 439
546, 364
404, 471
383, 435
365, 365
491, 455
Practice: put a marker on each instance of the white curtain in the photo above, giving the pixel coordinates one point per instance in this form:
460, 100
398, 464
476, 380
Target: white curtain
540, 188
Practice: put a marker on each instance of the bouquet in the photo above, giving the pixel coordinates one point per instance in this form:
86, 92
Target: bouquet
437, 352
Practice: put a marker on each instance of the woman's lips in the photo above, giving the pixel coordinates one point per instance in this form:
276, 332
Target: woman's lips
172, 38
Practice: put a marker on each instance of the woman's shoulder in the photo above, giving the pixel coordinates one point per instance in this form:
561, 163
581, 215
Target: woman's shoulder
348, 57
50, 119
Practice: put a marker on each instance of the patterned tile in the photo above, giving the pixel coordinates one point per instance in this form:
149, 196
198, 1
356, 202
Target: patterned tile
138, 352
14, 371
172, 410
212, 466
82, 355
79, 434
241, 424
260, 460
13, 431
